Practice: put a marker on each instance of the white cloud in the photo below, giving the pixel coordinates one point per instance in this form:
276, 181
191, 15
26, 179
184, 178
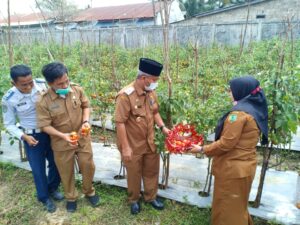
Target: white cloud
28, 6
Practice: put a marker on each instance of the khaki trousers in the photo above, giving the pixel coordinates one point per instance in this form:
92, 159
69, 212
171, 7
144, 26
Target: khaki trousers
65, 164
143, 167
230, 201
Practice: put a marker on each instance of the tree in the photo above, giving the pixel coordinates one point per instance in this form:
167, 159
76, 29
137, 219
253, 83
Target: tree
165, 8
193, 7
60, 9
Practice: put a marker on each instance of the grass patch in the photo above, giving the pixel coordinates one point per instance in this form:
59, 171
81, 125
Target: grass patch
18, 206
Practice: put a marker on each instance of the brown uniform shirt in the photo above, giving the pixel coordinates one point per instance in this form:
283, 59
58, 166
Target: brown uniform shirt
234, 154
64, 114
135, 108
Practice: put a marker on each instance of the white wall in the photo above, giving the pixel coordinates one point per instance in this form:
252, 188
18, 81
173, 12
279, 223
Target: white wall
175, 14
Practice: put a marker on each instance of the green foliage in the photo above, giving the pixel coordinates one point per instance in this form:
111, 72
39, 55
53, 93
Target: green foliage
103, 71
4, 85
282, 85
8, 167
194, 7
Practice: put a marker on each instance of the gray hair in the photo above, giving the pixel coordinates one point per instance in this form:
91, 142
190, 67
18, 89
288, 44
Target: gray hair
141, 73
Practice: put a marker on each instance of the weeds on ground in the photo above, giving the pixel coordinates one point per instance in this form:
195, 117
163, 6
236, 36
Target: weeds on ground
18, 206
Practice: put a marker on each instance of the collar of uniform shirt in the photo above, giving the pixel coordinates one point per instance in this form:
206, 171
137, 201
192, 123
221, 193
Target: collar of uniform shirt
33, 91
138, 89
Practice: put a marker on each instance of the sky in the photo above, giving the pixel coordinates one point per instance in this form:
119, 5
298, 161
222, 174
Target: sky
28, 6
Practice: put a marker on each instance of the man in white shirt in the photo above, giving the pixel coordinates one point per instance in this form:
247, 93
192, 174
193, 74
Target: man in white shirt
18, 105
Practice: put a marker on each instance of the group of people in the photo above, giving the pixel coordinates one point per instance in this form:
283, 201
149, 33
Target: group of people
48, 110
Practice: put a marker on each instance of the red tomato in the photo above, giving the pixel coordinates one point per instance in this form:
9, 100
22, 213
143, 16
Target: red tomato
74, 136
85, 131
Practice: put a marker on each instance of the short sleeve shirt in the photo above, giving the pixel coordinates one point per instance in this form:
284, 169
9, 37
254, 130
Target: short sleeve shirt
64, 114
136, 109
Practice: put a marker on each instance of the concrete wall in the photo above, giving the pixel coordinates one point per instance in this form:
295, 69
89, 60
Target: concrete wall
274, 10
225, 27
140, 37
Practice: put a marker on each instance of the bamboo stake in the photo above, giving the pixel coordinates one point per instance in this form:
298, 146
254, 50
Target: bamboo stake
268, 150
10, 50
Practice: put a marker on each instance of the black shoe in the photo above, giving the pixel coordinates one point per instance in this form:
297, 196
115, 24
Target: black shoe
49, 206
156, 204
56, 195
71, 206
93, 200
135, 208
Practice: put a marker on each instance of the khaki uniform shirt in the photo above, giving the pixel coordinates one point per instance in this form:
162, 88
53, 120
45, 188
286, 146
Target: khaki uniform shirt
234, 154
136, 108
64, 114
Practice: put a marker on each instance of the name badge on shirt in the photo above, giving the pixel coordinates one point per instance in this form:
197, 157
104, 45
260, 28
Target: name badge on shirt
22, 103
54, 106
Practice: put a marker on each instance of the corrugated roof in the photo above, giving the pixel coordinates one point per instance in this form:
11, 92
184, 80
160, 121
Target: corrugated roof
21, 19
132, 11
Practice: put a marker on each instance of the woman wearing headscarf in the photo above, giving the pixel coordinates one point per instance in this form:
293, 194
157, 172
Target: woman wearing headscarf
234, 151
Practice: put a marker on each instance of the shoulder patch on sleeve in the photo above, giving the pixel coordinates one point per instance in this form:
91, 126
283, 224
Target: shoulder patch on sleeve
41, 85
129, 90
232, 117
8, 95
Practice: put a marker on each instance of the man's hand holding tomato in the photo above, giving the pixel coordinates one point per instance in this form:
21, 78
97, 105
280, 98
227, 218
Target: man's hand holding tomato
85, 129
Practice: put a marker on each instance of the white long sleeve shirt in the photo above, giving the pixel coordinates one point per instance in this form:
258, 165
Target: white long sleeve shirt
19, 107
